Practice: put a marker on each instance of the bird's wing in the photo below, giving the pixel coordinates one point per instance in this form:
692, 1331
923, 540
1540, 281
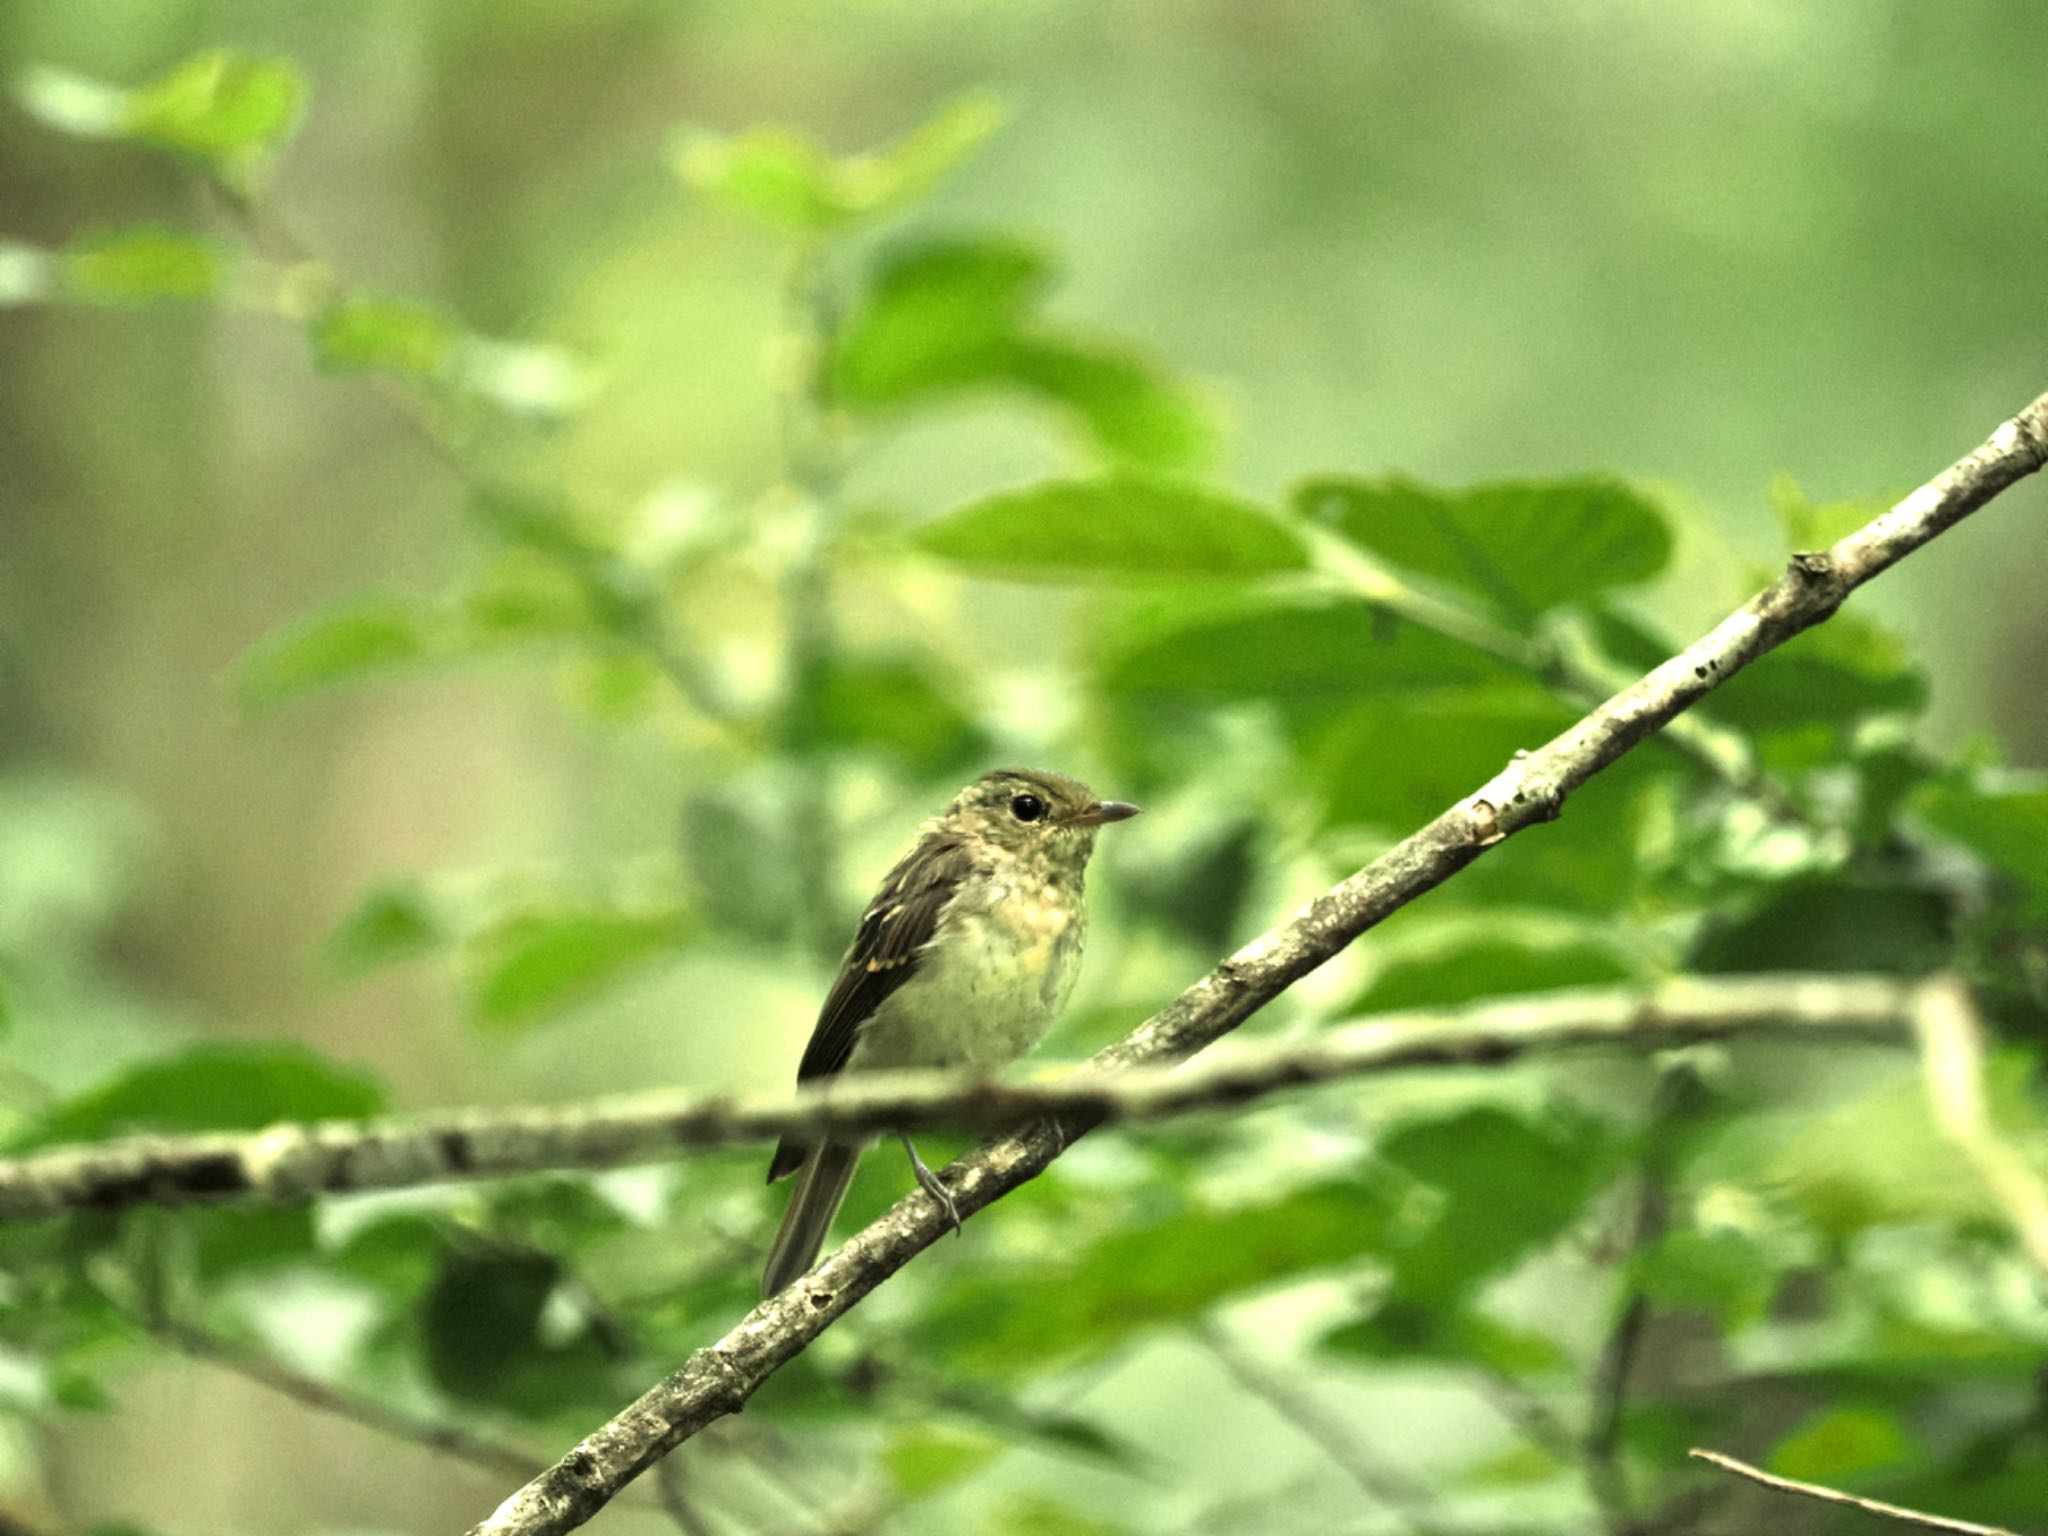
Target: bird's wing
894, 930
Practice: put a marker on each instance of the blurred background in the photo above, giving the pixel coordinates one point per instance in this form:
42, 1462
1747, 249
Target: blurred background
1756, 260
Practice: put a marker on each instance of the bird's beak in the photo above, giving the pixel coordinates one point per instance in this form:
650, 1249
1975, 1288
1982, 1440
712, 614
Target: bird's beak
1102, 811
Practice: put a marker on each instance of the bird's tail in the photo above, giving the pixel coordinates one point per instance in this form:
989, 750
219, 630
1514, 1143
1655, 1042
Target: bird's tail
820, 1186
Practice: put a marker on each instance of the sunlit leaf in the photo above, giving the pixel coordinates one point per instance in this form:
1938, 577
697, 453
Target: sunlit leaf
355, 639
929, 1458
1120, 527
361, 334
137, 266
1519, 547
1811, 525
889, 705
226, 108
1839, 1445
535, 962
780, 177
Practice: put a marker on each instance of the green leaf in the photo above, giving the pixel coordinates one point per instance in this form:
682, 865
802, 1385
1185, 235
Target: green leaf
1829, 923
935, 318
1509, 1184
393, 922
1034, 1514
1119, 527
534, 963
778, 176
481, 1318
2004, 823
215, 1087
226, 108
1483, 964
891, 706
1723, 1274
1834, 674
1839, 1445
357, 638
1134, 410
1814, 526
930, 1458
1520, 547
137, 266
1317, 654
952, 316
1399, 759
1094, 1299
360, 334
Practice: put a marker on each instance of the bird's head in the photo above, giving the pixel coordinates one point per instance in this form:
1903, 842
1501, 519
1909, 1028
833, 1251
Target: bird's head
1029, 812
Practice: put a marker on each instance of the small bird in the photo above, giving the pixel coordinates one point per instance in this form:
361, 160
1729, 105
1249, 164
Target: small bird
963, 958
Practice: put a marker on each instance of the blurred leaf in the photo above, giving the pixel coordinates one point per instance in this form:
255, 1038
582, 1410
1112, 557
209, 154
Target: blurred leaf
359, 637
536, 962
226, 108
888, 705
929, 1458
1521, 547
780, 177
135, 266
482, 1319
614, 686
524, 595
1032, 1514
214, 1087
1317, 654
1118, 527
2004, 824
1834, 673
1199, 888
936, 317
1811, 526
957, 315
1396, 760
393, 922
1828, 923
1091, 1301
1839, 1445
1453, 1332
1483, 964
1509, 1184
736, 853
541, 383
1519, 1466
1721, 1273
359, 334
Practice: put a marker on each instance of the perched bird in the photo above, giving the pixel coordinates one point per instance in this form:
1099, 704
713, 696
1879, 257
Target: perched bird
962, 959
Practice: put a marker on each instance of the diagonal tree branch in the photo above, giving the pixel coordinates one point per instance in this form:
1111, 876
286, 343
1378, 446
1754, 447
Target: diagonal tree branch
719, 1379
1835, 1496
294, 1162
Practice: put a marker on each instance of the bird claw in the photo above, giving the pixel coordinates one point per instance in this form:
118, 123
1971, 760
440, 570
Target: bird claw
934, 1186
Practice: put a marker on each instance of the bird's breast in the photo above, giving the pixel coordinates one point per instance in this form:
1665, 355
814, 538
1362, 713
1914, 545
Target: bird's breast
987, 987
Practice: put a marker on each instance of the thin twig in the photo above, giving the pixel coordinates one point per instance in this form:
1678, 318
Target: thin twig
295, 1162
719, 1378
1855, 1501
1378, 1478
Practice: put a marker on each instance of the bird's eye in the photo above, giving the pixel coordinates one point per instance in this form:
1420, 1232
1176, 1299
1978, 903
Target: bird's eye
1027, 807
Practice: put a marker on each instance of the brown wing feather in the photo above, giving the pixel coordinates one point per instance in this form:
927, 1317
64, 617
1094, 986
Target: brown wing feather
893, 932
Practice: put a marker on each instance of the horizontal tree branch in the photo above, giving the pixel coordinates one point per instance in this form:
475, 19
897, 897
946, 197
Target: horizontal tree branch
1836, 1496
719, 1378
294, 1162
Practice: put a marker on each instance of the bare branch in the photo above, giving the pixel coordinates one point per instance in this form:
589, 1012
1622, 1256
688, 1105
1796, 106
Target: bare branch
294, 1162
719, 1379
1836, 1496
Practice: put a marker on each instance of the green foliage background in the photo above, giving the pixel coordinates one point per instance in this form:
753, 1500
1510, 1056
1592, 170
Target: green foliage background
510, 515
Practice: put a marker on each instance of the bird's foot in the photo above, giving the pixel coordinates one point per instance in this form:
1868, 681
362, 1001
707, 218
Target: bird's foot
934, 1186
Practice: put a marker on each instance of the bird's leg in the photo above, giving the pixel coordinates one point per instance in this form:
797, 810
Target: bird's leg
933, 1185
